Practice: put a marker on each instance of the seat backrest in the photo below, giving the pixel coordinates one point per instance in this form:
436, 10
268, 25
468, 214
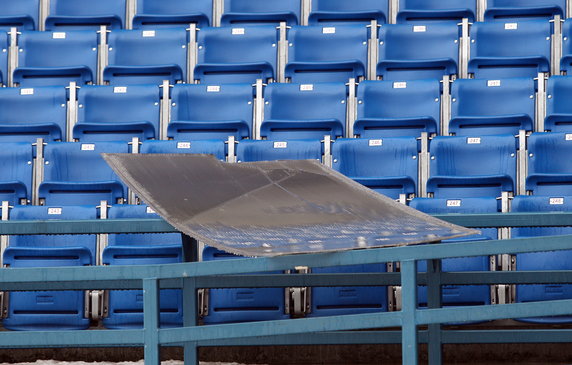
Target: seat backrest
215, 148
213, 103
349, 11
80, 162
22, 14
533, 204
120, 104
438, 5
87, 12
261, 11
524, 9
558, 106
473, 156
16, 168
249, 151
174, 7
384, 100
44, 213
30, 113
547, 153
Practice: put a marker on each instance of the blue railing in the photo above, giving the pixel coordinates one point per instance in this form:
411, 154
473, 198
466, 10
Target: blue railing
322, 330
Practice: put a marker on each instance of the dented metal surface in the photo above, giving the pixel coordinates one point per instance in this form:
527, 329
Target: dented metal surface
273, 208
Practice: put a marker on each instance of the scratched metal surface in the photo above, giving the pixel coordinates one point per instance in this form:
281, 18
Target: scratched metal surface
273, 208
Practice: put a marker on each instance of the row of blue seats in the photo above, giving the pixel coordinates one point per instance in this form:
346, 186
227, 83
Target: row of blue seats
65, 310
74, 14
75, 173
316, 54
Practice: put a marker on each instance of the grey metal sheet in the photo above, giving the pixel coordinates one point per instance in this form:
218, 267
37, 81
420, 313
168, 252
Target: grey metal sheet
273, 208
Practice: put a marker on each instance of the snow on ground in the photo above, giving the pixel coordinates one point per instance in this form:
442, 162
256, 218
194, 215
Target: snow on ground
53, 362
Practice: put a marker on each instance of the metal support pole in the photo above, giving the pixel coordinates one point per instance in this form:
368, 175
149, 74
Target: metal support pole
373, 51
541, 102
282, 52
193, 53
434, 300
190, 314
556, 45
72, 109
306, 10
408, 312
103, 55
13, 50
351, 108
151, 321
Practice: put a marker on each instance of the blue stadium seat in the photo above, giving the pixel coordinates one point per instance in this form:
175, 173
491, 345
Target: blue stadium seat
75, 173
559, 260
16, 172
472, 167
261, 12
211, 111
56, 58
118, 113
381, 112
49, 310
327, 53
558, 106
304, 111
510, 49
484, 107
460, 294
549, 168
409, 52
237, 55
524, 9
160, 13
215, 148
126, 306
22, 14
146, 56
436, 10
30, 113
249, 151
86, 14
566, 60
343, 11
388, 166
336, 301
244, 304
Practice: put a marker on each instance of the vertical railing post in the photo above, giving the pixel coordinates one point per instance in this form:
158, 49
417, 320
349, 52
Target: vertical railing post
190, 314
408, 312
151, 321
434, 300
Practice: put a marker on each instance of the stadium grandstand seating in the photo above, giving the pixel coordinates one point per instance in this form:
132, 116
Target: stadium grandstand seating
558, 107
82, 14
327, 53
126, 307
524, 9
249, 151
342, 11
56, 58
211, 111
261, 12
543, 260
304, 111
380, 111
510, 49
17, 172
549, 174
510, 106
49, 310
112, 113
154, 14
409, 51
422, 11
22, 14
146, 56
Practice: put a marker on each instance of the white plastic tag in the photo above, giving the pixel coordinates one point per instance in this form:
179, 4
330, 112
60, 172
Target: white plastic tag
556, 201
28, 91
280, 144
307, 87
329, 30
569, 136
88, 147
213, 89
494, 83
419, 28
184, 145
148, 33
474, 140
54, 211
375, 142
238, 31
400, 85
59, 35
454, 203
150, 210
511, 26
120, 89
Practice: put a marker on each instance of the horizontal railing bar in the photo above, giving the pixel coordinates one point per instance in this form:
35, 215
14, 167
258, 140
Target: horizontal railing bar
44, 339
